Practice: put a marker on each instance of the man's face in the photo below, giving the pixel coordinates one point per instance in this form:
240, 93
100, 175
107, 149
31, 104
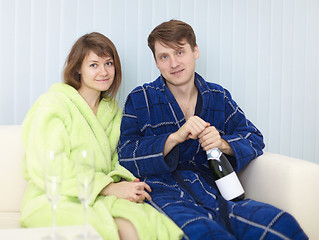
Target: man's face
176, 65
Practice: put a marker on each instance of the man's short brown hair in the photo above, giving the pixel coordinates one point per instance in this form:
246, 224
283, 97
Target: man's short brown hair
172, 33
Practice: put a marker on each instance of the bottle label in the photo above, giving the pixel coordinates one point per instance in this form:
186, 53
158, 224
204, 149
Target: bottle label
229, 186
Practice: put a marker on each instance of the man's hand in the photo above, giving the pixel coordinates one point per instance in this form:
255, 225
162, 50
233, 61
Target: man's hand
210, 138
134, 191
190, 130
194, 128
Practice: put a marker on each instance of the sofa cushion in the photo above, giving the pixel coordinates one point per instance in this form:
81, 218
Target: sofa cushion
9, 220
12, 183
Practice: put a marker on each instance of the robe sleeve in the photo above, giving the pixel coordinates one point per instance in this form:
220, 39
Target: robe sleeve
142, 155
244, 138
117, 172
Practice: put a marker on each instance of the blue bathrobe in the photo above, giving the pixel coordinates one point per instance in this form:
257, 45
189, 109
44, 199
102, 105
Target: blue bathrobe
182, 184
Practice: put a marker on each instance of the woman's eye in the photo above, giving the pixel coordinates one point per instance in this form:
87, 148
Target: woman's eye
93, 65
109, 64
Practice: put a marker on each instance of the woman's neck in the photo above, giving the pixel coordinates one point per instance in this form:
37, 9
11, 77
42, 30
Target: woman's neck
92, 99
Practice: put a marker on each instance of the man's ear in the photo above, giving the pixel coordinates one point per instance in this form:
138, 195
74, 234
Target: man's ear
196, 52
156, 62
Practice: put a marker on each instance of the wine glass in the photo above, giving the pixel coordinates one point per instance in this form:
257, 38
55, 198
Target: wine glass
53, 166
85, 169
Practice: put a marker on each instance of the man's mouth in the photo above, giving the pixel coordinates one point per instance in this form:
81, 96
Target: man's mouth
177, 72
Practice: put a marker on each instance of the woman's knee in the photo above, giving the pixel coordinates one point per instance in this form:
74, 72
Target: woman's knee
126, 229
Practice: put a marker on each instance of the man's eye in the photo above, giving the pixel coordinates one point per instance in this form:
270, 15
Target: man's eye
179, 53
164, 57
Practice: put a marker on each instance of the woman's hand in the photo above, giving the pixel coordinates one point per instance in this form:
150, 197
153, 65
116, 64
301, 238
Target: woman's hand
134, 191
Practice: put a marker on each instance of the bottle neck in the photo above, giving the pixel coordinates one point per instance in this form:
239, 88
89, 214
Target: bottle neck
213, 153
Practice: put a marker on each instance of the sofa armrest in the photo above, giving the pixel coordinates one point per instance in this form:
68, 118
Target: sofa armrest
288, 183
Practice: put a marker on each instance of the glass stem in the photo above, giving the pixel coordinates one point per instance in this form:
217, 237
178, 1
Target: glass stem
53, 207
85, 208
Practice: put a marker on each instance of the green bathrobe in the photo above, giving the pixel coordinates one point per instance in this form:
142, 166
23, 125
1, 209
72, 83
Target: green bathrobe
63, 121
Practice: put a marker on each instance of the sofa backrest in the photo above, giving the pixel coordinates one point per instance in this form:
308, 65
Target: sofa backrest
12, 183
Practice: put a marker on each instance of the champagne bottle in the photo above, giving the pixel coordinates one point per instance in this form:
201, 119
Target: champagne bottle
225, 177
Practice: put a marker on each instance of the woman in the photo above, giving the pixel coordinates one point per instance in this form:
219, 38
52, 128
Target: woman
83, 112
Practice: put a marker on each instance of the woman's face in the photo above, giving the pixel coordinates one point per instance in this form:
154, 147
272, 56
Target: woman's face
97, 73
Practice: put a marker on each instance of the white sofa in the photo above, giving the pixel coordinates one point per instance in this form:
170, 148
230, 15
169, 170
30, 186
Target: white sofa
288, 183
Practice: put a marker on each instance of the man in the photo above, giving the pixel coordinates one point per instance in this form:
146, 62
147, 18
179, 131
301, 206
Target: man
167, 127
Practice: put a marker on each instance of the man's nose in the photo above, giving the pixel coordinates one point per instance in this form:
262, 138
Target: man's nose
174, 62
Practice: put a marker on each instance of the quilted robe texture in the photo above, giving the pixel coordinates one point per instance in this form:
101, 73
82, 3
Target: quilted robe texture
182, 185
62, 120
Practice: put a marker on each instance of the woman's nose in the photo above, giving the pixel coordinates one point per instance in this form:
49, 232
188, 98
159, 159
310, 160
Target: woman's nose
103, 71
